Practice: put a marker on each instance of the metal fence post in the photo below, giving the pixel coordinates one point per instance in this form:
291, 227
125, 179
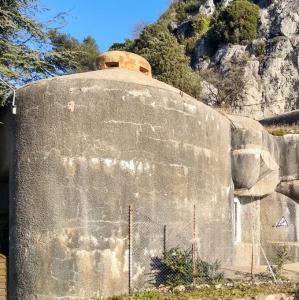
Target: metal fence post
164, 240
130, 260
193, 242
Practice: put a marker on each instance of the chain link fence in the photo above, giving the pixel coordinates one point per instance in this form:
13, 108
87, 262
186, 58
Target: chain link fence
150, 240
155, 239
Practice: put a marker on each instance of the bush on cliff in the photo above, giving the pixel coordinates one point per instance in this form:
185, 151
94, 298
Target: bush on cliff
185, 8
200, 25
236, 23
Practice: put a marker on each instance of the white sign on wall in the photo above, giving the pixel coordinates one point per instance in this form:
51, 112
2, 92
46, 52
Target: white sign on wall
282, 222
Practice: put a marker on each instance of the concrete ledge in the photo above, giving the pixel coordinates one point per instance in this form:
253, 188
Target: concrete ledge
289, 118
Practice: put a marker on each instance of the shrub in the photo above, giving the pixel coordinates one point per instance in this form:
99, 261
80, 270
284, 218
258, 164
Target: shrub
296, 294
236, 23
226, 88
187, 8
190, 44
176, 268
260, 49
209, 272
280, 259
200, 25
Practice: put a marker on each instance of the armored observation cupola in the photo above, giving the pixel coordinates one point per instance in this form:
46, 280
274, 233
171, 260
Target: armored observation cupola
124, 60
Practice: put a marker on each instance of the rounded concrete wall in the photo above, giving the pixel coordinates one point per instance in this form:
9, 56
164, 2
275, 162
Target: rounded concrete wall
87, 146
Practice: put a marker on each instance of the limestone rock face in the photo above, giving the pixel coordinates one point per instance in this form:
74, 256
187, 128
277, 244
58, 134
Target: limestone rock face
271, 78
208, 8
281, 18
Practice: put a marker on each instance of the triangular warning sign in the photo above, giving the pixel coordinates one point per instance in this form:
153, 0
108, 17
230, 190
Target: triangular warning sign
282, 222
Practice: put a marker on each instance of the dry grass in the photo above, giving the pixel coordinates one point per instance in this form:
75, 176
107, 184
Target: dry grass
238, 291
283, 130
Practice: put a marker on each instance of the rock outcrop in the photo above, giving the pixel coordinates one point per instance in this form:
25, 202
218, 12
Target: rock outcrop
271, 75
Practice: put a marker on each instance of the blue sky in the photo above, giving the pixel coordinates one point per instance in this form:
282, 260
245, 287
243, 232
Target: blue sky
107, 21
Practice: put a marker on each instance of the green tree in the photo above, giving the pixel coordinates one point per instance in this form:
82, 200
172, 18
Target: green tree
166, 56
236, 23
26, 52
84, 54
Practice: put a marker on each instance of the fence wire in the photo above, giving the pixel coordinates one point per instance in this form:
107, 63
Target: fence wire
151, 239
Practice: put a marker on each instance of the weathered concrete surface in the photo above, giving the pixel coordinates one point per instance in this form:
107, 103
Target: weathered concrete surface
284, 202
264, 171
273, 208
256, 156
87, 146
124, 60
250, 234
288, 118
289, 163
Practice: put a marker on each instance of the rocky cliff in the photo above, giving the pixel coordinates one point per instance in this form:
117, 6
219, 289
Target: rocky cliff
270, 73
246, 51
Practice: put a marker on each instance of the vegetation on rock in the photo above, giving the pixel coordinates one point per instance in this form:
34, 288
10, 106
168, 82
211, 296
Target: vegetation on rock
186, 9
200, 25
282, 130
170, 43
236, 23
226, 87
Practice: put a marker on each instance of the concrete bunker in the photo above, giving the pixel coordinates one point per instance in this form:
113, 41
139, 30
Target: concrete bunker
123, 60
120, 138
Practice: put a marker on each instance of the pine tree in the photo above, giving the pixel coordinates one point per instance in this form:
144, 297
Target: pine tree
84, 54
27, 51
166, 56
